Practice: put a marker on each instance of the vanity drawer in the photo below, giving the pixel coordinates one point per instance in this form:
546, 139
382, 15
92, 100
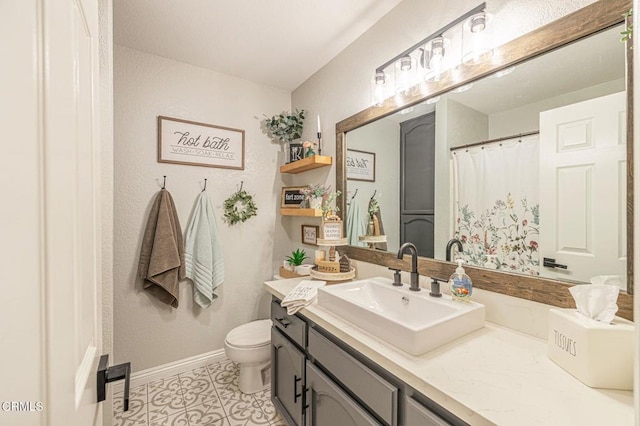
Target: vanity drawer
376, 393
290, 325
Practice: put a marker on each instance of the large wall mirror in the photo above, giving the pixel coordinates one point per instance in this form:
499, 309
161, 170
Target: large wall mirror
524, 161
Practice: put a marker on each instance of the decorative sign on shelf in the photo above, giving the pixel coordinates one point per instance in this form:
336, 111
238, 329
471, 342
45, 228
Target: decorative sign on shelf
332, 230
361, 165
295, 152
310, 234
199, 144
292, 197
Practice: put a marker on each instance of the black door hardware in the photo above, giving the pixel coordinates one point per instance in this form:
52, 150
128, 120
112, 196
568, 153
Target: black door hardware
108, 374
551, 263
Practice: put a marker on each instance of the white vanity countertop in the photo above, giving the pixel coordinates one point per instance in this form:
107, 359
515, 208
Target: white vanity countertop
491, 376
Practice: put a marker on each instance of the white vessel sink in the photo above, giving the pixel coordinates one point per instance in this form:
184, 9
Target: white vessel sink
413, 321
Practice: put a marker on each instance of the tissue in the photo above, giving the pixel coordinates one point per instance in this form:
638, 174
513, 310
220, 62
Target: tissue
596, 301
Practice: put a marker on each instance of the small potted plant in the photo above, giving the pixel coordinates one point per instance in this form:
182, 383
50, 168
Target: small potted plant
295, 260
287, 127
315, 194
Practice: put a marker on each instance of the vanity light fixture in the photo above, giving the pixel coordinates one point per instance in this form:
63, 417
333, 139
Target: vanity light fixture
476, 37
378, 88
430, 53
404, 73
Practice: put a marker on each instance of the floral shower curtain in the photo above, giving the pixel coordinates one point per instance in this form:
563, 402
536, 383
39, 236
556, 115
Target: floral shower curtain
496, 200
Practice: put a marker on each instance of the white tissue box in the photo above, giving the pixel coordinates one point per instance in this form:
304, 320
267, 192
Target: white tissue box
599, 355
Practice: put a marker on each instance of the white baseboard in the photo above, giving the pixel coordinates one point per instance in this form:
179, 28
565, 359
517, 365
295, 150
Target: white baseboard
171, 369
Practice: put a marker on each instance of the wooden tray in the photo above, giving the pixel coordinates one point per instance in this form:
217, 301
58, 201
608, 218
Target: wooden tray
334, 277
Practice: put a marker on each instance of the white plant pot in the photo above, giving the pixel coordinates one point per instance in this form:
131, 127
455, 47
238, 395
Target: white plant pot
303, 269
315, 202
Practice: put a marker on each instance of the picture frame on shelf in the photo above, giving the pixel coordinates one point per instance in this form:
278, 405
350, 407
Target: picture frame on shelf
310, 234
292, 197
296, 152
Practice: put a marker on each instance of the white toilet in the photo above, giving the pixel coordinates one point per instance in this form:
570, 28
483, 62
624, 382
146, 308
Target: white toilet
250, 346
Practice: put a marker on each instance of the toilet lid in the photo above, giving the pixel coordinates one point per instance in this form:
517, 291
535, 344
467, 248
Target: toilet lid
252, 334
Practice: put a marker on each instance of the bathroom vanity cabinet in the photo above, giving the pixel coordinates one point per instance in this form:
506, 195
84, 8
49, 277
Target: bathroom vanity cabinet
318, 380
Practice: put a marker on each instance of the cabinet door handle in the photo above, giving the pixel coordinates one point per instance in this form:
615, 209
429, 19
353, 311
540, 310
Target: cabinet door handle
304, 407
296, 395
283, 322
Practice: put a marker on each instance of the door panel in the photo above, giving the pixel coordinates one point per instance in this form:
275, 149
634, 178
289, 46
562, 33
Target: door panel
419, 229
72, 212
583, 187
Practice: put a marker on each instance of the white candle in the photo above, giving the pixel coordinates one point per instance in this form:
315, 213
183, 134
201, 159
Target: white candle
319, 124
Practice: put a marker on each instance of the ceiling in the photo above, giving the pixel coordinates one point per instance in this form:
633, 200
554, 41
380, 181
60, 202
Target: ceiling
278, 43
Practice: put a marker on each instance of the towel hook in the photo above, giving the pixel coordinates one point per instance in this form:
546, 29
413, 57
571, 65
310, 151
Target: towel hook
164, 182
354, 194
374, 193
205, 185
241, 185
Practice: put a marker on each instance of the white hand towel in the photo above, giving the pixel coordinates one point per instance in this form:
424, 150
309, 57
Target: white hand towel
303, 294
203, 253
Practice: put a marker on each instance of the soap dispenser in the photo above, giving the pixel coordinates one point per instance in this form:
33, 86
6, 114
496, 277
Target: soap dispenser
460, 283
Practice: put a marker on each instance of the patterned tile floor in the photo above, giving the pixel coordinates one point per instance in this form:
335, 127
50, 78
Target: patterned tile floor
204, 396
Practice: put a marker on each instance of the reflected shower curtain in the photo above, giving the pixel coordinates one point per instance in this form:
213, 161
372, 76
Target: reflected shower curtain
496, 201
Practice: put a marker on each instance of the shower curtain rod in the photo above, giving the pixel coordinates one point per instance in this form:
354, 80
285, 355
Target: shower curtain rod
504, 138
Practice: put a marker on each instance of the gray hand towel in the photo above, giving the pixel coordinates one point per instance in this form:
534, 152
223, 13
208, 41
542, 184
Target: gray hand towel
162, 253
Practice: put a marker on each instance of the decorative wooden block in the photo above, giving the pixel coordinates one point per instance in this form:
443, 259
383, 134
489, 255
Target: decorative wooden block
331, 230
345, 263
328, 266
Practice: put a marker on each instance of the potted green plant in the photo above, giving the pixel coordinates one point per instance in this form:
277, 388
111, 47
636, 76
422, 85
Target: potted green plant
296, 258
287, 127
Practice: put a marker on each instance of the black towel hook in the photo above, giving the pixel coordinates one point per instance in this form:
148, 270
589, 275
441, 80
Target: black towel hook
241, 185
205, 185
354, 194
374, 193
164, 182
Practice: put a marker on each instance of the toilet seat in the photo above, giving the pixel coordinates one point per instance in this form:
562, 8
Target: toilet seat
251, 335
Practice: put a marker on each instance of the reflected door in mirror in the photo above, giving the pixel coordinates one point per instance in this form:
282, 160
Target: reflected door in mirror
417, 180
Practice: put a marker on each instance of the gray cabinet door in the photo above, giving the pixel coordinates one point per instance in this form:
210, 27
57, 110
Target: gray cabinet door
328, 405
287, 377
419, 415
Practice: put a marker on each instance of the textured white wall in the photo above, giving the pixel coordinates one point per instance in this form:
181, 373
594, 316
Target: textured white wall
147, 332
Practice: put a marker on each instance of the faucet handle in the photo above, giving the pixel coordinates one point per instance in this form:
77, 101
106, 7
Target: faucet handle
435, 287
396, 277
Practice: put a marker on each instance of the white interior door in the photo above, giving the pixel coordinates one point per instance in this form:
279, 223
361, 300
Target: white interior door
583, 188
50, 176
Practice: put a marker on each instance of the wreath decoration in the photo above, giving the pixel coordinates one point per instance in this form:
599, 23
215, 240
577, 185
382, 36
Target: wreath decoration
239, 207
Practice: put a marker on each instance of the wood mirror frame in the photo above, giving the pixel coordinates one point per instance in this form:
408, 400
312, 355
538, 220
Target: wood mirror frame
589, 20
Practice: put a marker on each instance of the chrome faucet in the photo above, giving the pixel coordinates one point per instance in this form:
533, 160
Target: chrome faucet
415, 285
453, 242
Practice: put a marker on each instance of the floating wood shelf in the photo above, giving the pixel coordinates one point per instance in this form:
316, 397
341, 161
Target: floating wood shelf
300, 212
309, 163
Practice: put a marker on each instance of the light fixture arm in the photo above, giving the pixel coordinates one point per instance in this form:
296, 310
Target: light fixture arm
478, 9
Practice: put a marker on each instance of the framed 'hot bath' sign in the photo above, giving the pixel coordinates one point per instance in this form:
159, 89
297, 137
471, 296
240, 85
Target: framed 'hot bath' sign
199, 144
